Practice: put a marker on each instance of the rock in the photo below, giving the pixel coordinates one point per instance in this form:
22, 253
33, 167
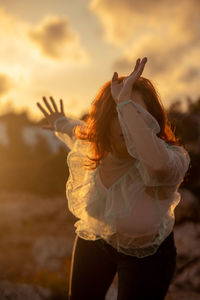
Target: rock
187, 239
189, 279
30, 209
188, 208
48, 251
183, 295
16, 291
195, 277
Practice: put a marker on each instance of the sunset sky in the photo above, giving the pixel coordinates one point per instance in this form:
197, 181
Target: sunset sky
68, 49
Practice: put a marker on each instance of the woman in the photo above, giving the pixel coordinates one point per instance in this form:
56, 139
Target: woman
125, 169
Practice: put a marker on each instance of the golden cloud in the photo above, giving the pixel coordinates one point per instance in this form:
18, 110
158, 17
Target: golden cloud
167, 32
124, 21
5, 84
17, 55
162, 53
29, 72
56, 39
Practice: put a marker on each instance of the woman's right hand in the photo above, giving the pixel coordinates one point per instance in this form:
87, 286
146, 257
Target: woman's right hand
51, 114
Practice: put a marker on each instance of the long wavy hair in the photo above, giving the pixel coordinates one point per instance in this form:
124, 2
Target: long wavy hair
98, 121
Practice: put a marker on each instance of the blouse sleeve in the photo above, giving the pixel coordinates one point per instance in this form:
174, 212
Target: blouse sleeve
64, 128
143, 144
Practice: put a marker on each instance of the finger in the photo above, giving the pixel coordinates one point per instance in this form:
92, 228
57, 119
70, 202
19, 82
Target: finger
136, 73
140, 69
42, 110
115, 77
144, 59
142, 65
143, 62
47, 105
114, 81
54, 104
137, 64
61, 106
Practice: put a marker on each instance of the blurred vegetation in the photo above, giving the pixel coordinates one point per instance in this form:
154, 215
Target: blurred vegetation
38, 170
186, 126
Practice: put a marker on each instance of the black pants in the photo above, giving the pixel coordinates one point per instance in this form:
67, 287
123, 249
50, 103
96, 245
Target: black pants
95, 263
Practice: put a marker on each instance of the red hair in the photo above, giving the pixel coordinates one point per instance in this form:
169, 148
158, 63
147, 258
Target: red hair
97, 124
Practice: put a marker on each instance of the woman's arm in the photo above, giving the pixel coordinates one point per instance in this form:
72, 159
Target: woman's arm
158, 163
149, 149
66, 125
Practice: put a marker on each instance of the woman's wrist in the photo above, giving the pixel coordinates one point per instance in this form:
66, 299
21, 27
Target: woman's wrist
60, 119
124, 102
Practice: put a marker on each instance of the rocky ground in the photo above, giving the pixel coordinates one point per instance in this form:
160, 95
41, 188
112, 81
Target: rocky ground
36, 241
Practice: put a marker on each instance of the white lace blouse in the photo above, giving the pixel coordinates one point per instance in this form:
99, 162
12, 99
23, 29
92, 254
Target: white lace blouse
135, 213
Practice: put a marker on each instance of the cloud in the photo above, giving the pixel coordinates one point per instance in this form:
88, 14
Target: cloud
164, 31
171, 66
127, 20
167, 32
162, 53
56, 39
32, 74
190, 74
121, 20
18, 60
5, 84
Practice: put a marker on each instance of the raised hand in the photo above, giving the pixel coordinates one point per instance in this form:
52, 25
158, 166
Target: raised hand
51, 112
122, 91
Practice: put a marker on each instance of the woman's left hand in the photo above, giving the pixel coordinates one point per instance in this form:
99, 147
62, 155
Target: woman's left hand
122, 91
